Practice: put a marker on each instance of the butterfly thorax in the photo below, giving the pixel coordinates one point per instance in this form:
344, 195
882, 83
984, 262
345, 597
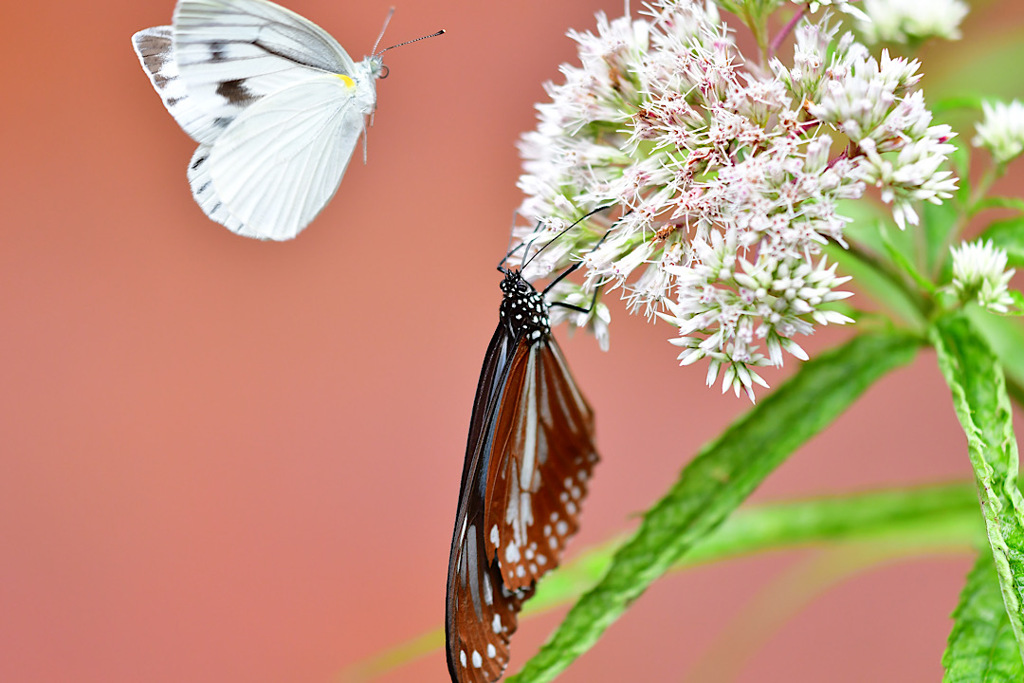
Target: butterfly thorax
363, 83
523, 310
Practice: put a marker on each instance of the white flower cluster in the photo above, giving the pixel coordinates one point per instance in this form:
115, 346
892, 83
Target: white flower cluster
1001, 131
979, 273
911, 21
726, 176
870, 101
844, 6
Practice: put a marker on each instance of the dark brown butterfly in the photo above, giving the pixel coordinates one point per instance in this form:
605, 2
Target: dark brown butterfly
529, 457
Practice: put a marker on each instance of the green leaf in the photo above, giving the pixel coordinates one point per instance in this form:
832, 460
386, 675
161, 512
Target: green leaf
978, 67
1014, 203
722, 475
871, 279
898, 251
981, 647
971, 102
938, 224
974, 70
866, 263
868, 218
1018, 303
1009, 235
919, 517
975, 377
1006, 337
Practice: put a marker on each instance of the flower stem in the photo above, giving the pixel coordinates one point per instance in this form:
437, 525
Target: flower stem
894, 276
784, 33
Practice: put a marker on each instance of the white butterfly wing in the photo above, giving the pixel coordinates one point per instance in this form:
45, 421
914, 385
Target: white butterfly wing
231, 53
276, 167
206, 196
155, 48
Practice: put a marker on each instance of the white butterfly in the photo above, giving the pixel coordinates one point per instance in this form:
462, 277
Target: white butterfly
275, 103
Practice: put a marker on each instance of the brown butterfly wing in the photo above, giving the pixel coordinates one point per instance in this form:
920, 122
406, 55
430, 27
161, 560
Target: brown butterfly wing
529, 457
542, 457
480, 613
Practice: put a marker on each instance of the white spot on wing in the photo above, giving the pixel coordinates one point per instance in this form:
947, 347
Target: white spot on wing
530, 445
512, 553
488, 590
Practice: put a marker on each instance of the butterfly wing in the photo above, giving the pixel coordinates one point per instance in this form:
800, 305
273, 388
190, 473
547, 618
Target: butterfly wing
231, 53
480, 613
276, 167
543, 455
205, 193
155, 49
529, 457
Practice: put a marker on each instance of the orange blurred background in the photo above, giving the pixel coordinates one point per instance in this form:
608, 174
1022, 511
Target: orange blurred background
226, 460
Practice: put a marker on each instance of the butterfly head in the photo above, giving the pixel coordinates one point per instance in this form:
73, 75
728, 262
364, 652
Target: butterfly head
375, 67
523, 310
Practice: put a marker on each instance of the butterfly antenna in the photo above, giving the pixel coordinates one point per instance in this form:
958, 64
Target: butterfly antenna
387, 20
408, 42
565, 230
508, 247
570, 270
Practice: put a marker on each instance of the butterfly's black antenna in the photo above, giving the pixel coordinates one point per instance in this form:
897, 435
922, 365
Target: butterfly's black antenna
567, 271
529, 244
565, 230
570, 270
408, 42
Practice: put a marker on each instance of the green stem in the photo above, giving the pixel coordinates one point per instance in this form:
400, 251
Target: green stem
894, 276
994, 173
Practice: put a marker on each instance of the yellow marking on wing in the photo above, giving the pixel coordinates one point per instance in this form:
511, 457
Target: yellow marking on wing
349, 83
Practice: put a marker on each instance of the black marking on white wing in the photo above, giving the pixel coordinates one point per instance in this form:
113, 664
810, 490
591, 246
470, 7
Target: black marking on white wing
205, 194
155, 49
231, 53
283, 158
